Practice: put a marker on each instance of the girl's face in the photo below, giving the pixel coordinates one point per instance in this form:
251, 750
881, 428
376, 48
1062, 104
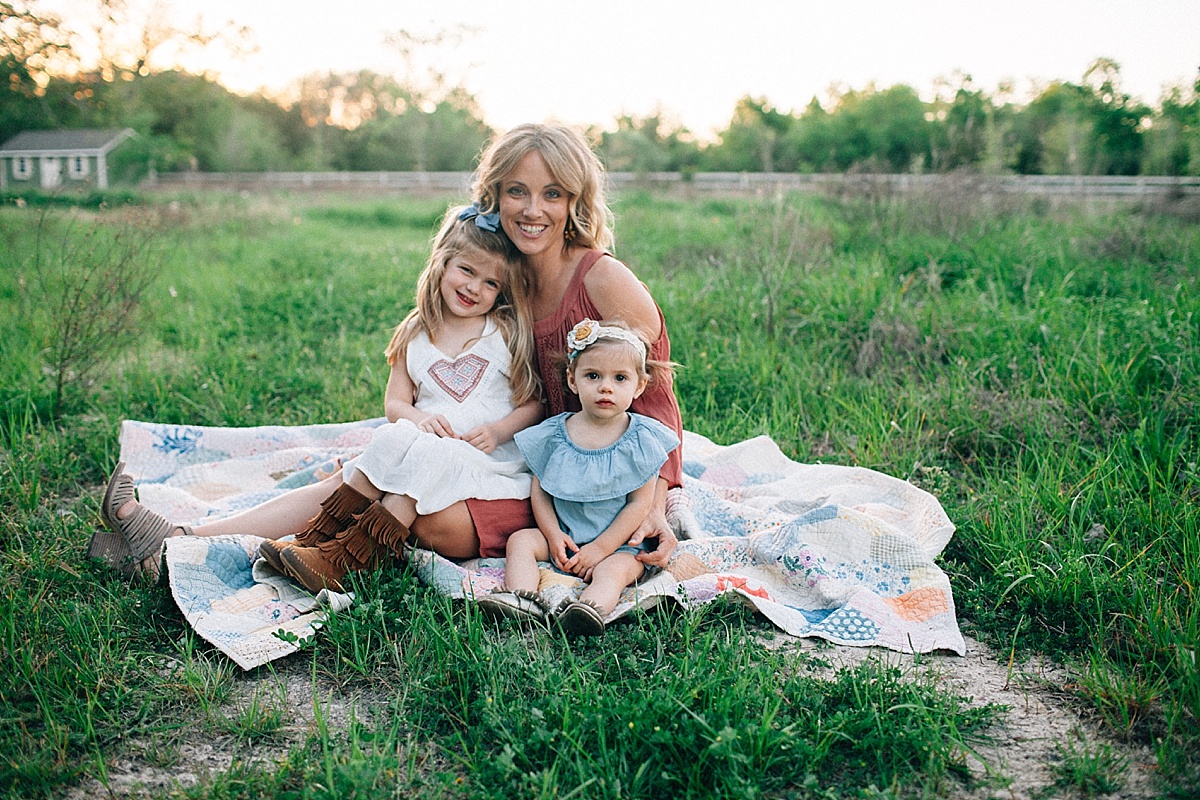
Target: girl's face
471, 283
534, 207
607, 377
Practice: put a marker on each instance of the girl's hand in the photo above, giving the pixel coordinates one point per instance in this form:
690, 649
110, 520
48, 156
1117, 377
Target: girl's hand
560, 544
583, 562
483, 438
437, 425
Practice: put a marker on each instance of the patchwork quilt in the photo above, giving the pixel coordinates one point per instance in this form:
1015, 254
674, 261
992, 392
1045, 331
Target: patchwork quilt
845, 554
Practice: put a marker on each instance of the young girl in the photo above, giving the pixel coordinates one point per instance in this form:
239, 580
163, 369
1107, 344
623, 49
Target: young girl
595, 473
462, 383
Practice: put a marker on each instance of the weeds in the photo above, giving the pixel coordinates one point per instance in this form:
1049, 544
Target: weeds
84, 285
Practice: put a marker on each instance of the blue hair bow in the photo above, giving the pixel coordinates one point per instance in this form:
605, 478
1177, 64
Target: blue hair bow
487, 222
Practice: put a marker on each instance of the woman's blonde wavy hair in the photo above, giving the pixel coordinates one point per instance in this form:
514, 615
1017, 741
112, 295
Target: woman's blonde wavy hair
511, 312
571, 162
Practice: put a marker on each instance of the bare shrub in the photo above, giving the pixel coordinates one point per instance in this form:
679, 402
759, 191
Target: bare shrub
84, 279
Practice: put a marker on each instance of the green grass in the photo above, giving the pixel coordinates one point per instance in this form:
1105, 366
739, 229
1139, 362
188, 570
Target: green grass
1037, 368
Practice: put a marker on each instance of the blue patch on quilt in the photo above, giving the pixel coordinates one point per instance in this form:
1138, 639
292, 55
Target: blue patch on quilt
230, 564
849, 625
693, 469
815, 616
713, 514
178, 439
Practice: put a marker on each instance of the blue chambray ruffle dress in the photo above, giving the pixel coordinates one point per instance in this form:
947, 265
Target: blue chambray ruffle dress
589, 487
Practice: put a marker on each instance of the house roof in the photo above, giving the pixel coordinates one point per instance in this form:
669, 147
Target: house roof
86, 141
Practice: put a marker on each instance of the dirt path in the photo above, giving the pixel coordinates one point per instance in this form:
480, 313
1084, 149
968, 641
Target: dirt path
1043, 715
1023, 750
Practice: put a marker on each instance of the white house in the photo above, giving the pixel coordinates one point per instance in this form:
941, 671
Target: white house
51, 159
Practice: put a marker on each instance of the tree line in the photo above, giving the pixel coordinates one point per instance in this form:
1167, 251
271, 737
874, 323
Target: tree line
371, 121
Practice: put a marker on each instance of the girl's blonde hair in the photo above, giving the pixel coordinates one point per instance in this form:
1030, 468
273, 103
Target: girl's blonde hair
571, 162
651, 369
511, 313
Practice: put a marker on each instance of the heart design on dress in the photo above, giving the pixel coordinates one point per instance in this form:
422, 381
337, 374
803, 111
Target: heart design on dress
459, 377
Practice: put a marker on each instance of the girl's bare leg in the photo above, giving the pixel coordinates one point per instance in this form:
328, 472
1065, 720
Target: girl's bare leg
279, 516
524, 549
400, 506
608, 579
449, 532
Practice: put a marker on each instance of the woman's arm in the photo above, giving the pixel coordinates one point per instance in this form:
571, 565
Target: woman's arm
637, 505
490, 436
618, 294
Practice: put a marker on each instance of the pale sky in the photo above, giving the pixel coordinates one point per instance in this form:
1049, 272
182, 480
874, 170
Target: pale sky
588, 63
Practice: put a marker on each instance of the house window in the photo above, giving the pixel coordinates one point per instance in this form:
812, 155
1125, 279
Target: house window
22, 167
79, 166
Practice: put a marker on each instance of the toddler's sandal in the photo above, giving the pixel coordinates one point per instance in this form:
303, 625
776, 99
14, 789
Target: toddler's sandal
580, 618
519, 604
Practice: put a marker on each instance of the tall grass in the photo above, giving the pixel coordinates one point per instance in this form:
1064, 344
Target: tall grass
1037, 368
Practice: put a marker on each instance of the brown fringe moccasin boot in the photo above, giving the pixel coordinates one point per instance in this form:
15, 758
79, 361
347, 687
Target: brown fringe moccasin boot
374, 536
337, 513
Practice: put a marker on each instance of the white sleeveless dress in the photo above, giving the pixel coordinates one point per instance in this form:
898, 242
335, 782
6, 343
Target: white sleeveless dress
469, 390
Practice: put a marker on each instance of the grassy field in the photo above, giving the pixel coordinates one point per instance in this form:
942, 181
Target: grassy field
1035, 367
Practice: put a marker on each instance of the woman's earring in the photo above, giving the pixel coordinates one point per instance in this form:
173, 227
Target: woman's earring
570, 231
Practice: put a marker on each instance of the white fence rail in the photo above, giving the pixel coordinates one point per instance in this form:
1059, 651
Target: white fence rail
715, 182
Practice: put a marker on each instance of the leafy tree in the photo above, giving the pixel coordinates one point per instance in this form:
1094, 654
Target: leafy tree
811, 143
31, 44
882, 130
750, 142
1172, 143
962, 126
648, 144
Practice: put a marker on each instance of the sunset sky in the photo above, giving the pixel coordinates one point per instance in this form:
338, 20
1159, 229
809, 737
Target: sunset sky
587, 63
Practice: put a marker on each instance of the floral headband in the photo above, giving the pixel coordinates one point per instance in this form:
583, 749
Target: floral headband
588, 331
487, 222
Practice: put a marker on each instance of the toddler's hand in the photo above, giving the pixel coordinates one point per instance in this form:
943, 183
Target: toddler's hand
437, 425
583, 562
483, 438
560, 544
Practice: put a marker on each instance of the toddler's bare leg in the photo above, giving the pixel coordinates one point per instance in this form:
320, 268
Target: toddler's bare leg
524, 549
608, 579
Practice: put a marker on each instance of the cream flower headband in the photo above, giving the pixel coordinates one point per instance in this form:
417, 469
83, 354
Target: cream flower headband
588, 331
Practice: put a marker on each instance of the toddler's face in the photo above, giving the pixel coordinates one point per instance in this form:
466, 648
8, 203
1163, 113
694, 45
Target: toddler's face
607, 377
472, 282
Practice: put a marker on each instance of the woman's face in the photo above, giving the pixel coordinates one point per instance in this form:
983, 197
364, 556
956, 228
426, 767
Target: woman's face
533, 207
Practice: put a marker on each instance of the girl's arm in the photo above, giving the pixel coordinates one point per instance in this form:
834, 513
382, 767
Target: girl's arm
547, 522
638, 504
399, 399
488, 437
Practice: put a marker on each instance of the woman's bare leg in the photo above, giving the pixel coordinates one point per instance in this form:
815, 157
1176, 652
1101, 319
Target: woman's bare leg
449, 532
279, 516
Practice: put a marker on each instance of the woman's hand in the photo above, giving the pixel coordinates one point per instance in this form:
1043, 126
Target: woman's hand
583, 562
483, 438
437, 425
655, 526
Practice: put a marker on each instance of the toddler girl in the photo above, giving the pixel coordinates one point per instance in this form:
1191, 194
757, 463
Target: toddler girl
594, 480
462, 383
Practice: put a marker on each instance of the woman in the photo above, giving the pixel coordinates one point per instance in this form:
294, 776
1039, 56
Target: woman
547, 187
